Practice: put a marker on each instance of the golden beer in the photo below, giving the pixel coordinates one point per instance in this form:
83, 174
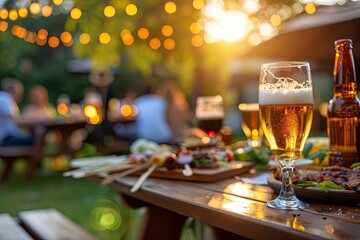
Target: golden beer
286, 127
251, 123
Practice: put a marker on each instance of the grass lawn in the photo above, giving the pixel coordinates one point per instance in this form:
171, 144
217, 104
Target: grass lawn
95, 207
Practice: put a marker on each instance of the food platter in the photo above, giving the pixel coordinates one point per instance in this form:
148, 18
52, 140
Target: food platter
204, 174
312, 193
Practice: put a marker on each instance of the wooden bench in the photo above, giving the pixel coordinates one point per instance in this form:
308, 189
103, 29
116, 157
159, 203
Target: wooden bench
50, 224
11, 229
32, 154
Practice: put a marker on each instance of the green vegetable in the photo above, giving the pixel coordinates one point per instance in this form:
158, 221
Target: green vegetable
325, 185
354, 165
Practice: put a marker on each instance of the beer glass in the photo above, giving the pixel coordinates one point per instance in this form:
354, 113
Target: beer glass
209, 114
286, 112
251, 123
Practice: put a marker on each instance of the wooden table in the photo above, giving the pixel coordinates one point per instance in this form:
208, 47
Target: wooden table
235, 210
65, 130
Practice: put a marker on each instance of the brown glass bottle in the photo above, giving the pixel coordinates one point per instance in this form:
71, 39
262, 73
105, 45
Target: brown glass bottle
343, 121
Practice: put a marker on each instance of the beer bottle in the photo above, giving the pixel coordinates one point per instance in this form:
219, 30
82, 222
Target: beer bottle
343, 121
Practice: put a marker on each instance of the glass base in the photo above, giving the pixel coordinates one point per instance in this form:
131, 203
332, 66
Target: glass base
287, 204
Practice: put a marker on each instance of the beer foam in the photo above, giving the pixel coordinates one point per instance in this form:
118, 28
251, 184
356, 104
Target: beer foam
285, 96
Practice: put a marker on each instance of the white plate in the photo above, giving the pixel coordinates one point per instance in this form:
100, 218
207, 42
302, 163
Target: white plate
300, 163
97, 161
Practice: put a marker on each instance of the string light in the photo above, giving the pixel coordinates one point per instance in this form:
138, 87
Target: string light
266, 28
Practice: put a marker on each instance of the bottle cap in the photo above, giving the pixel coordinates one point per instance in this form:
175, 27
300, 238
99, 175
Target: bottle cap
343, 43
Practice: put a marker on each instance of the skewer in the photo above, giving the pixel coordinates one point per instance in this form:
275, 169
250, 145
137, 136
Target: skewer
113, 177
143, 178
156, 160
91, 172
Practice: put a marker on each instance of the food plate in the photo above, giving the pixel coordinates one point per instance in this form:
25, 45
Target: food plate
312, 193
204, 174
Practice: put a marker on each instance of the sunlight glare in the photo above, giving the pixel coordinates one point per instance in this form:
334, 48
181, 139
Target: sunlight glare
227, 25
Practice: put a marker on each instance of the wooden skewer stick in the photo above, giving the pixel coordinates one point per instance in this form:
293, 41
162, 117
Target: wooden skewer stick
143, 178
91, 172
113, 177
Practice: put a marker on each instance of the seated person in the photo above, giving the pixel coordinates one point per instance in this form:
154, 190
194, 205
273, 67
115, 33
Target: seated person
39, 107
151, 121
11, 94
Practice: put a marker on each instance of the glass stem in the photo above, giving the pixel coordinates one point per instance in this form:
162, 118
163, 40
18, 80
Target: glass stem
287, 191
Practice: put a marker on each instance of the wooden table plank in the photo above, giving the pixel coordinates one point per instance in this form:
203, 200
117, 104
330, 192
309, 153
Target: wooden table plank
11, 230
244, 213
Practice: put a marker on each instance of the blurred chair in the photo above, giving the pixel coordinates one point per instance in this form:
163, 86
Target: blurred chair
32, 155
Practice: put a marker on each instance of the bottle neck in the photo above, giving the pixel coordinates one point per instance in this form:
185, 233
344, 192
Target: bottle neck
344, 73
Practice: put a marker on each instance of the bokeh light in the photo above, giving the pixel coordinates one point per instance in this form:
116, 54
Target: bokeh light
46, 11
143, 33
58, 2
197, 41
167, 30
84, 38
169, 44
109, 11
170, 7
105, 216
128, 39
53, 41
155, 43
75, 13
310, 8
4, 13
104, 38
35, 8
3, 26
198, 4
13, 14
23, 12
131, 9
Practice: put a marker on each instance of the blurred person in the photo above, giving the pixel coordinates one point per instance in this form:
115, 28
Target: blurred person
38, 104
151, 121
179, 113
10, 118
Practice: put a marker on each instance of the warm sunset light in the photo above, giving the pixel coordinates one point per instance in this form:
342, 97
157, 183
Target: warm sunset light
195, 28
